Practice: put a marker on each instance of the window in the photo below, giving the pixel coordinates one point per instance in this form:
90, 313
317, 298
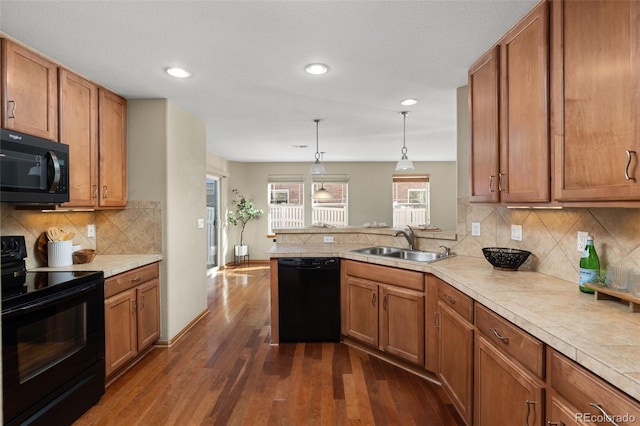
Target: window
332, 211
286, 202
411, 205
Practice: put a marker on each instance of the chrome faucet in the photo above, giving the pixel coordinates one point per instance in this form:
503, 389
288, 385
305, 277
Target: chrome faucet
447, 250
409, 235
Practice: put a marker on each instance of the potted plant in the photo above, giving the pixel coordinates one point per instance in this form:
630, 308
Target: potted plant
243, 213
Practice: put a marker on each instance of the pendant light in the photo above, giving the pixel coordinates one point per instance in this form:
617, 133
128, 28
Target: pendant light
404, 163
322, 194
317, 168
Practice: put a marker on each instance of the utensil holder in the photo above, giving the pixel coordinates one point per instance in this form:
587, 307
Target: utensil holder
60, 253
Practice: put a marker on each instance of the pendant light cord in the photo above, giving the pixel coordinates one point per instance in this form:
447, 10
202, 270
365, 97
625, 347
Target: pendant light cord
317, 121
404, 133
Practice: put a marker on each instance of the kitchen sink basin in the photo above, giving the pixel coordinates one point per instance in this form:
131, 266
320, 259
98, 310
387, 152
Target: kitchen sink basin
379, 251
404, 254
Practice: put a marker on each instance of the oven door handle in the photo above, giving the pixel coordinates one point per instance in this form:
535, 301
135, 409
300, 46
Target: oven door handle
32, 306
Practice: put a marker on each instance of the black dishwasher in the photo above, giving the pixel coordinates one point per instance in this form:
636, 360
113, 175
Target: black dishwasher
309, 299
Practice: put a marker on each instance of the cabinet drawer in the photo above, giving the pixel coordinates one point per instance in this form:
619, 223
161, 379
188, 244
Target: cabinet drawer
581, 388
456, 300
385, 274
127, 280
524, 348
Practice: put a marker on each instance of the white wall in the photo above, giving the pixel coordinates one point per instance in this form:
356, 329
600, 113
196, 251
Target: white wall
167, 163
369, 194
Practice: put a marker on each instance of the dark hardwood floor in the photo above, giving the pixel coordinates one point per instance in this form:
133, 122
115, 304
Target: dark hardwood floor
224, 372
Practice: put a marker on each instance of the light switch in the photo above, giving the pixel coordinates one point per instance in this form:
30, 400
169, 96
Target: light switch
516, 232
91, 231
200, 223
475, 229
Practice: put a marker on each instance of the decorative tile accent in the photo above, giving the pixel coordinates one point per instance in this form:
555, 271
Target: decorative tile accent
550, 235
137, 229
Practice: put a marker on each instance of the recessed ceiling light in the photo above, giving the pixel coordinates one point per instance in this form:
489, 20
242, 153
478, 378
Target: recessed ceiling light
178, 72
316, 69
409, 102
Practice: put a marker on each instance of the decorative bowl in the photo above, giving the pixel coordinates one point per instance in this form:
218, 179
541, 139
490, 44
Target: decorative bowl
506, 259
84, 256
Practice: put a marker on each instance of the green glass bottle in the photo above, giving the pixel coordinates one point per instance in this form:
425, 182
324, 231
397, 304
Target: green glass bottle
589, 266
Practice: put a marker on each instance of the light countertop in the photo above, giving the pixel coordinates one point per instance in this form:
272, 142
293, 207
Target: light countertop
110, 264
602, 336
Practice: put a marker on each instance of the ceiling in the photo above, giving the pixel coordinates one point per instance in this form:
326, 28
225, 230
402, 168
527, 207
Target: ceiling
247, 59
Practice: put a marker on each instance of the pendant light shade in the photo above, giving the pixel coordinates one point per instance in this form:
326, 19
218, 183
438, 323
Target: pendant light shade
317, 168
322, 194
404, 163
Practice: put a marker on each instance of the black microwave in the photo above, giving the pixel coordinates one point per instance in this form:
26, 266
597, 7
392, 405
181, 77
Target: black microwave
33, 170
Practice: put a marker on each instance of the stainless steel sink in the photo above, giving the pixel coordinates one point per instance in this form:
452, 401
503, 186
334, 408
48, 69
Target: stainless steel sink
418, 256
394, 252
379, 251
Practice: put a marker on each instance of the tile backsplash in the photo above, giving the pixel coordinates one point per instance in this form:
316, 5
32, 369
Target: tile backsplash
551, 235
137, 229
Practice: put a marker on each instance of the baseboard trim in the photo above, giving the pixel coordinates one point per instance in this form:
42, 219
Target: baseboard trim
169, 343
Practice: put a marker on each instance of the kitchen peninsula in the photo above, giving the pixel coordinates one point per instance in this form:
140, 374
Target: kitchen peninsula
601, 336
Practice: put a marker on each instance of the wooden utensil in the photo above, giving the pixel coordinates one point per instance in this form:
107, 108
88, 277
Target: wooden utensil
53, 234
68, 236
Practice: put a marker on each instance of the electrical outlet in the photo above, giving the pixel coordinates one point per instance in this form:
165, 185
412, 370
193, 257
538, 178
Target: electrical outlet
91, 231
475, 229
328, 239
582, 240
516, 232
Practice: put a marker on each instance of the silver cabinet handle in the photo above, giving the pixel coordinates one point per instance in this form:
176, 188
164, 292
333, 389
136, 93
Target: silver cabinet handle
491, 184
436, 319
105, 190
500, 188
12, 114
373, 299
626, 169
136, 279
384, 303
607, 417
450, 299
551, 423
504, 339
529, 404
95, 191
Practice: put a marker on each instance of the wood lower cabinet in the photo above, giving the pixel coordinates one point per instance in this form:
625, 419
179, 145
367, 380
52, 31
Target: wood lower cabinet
132, 315
388, 317
595, 99
112, 136
456, 360
505, 393
29, 92
78, 100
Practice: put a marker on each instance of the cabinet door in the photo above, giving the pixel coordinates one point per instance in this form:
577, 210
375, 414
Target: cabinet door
596, 99
524, 136
484, 128
561, 415
79, 129
431, 323
112, 141
148, 313
402, 324
456, 360
362, 310
30, 92
120, 330
505, 393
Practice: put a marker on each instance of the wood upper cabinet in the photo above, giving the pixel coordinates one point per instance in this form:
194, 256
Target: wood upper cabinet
595, 84
112, 136
29, 92
509, 115
524, 136
78, 100
484, 109
505, 393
